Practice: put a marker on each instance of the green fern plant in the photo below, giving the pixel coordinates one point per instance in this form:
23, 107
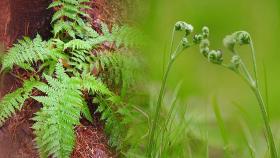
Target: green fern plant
236, 65
15, 100
69, 18
62, 70
61, 111
26, 52
121, 64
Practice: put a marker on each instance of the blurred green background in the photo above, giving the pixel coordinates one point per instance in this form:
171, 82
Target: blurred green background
202, 80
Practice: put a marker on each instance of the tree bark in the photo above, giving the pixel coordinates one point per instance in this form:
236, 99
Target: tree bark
20, 18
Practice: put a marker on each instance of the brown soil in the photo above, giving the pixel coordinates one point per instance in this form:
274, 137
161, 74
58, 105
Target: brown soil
91, 141
16, 135
27, 18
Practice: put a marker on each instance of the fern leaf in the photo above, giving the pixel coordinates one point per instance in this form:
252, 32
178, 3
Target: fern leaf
113, 126
63, 13
55, 4
70, 17
15, 100
61, 110
91, 83
74, 2
61, 26
128, 36
86, 112
122, 67
78, 44
25, 52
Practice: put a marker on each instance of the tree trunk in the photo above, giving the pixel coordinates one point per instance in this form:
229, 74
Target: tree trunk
24, 18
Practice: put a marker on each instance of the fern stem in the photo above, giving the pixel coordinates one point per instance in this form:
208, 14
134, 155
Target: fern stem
158, 106
245, 69
254, 63
160, 98
253, 83
272, 147
263, 107
172, 42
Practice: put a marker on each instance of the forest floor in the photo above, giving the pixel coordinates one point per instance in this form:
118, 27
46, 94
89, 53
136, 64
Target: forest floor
27, 18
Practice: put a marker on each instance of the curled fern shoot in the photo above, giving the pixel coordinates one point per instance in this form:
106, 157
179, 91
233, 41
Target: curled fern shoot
238, 66
174, 53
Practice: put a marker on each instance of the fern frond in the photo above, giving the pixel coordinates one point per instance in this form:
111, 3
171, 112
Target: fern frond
78, 44
113, 126
61, 26
74, 2
69, 17
26, 52
61, 110
55, 4
126, 36
63, 13
86, 112
15, 100
90, 83
122, 67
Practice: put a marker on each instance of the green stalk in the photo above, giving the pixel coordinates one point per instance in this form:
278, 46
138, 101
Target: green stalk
172, 42
158, 106
254, 85
221, 125
262, 105
254, 62
272, 147
173, 57
244, 69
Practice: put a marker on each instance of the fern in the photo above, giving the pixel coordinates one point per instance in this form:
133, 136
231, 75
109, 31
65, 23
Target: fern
121, 67
96, 86
54, 127
69, 18
63, 26
15, 100
56, 120
127, 36
113, 125
26, 52
67, 62
78, 44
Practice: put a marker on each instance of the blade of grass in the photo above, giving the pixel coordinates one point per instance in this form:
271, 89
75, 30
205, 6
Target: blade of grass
221, 125
248, 138
170, 113
247, 134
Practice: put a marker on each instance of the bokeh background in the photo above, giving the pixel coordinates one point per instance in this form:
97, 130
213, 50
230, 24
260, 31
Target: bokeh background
202, 80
